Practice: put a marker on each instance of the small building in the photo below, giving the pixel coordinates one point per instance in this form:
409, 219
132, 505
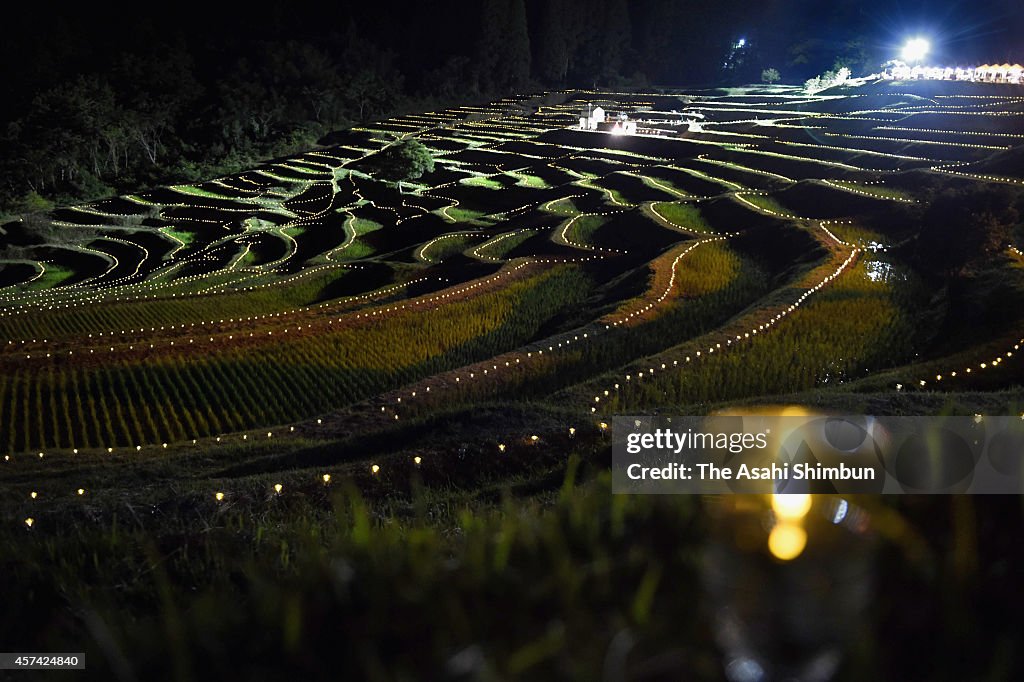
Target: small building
591, 117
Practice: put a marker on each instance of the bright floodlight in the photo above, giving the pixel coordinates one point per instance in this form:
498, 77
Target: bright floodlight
915, 50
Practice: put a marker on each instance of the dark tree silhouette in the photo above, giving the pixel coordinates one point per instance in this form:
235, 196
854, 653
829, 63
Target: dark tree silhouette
963, 228
404, 160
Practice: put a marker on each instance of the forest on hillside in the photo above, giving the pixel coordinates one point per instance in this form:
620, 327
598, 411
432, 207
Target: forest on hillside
99, 101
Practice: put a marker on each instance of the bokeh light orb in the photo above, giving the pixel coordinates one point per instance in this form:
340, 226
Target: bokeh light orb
787, 541
791, 506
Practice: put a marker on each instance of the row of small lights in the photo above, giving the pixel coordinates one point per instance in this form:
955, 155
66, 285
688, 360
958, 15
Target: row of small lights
38, 275
870, 195
421, 253
808, 159
951, 110
659, 185
742, 196
948, 168
854, 150
1011, 98
993, 364
220, 496
477, 251
736, 166
732, 186
950, 132
563, 235
883, 138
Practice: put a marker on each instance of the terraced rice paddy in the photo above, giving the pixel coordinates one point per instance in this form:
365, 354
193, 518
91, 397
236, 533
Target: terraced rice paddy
757, 255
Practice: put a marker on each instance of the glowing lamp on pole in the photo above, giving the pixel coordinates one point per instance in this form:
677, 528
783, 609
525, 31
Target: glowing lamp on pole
915, 50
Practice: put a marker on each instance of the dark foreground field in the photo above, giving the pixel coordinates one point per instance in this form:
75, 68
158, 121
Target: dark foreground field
299, 422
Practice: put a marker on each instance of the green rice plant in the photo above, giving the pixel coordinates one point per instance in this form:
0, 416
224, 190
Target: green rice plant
500, 247
364, 226
354, 251
583, 228
713, 282
449, 246
684, 215
855, 325
527, 180
564, 206
80, 320
481, 181
53, 276
768, 203
252, 382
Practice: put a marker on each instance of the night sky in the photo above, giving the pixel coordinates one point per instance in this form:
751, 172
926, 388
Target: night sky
40, 44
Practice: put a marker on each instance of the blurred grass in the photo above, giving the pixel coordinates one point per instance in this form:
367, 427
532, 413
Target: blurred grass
341, 588
550, 578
